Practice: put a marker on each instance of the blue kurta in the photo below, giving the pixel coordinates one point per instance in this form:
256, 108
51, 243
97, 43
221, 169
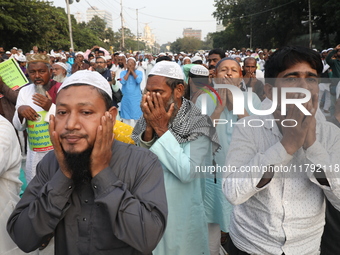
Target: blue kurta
217, 207
186, 231
132, 96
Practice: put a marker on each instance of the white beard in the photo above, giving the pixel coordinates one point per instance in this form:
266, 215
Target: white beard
40, 89
59, 78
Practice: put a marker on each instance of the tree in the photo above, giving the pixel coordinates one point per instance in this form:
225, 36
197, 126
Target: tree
97, 25
268, 23
186, 44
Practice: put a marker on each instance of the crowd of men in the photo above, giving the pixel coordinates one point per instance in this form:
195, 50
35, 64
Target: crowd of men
202, 177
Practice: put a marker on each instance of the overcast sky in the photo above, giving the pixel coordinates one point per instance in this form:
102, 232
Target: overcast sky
167, 19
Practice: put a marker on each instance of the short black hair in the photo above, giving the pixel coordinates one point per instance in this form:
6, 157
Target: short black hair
217, 51
288, 56
163, 58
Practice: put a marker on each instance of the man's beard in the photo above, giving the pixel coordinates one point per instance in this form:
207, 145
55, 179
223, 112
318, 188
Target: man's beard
174, 113
121, 65
40, 89
80, 166
59, 78
109, 66
101, 70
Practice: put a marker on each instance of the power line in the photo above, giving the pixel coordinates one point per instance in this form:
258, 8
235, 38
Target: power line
253, 14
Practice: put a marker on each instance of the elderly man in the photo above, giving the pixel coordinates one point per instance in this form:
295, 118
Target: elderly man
79, 63
252, 77
173, 128
283, 170
130, 105
59, 71
94, 194
101, 67
227, 71
33, 102
116, 69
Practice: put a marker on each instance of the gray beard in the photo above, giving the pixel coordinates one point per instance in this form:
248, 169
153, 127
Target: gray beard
174, 113
40, 89
101, 70
59, 78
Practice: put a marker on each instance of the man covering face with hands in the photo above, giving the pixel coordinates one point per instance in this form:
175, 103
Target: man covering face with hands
93, 193
175, 130
286, 168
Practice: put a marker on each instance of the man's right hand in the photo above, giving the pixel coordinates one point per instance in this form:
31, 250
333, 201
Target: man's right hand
27, 112
58, 151
294, 137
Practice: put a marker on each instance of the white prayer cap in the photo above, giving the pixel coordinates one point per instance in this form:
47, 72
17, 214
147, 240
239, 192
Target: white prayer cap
8, 52
102, 57
161, 54
329, 49
87, 77
186, 58
199, 70
260, 51
20, 58
108, 57
80, 52
93, 60
323, 51
167, 69
121, 55
131, 59
63, 65
196, 58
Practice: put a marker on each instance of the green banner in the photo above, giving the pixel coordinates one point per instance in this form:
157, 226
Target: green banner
38, 134
12, 75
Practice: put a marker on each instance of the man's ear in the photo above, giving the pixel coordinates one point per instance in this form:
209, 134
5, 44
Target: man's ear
268, 90
113, 111
179, 91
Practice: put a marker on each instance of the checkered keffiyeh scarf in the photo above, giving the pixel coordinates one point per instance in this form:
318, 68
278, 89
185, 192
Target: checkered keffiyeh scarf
187, 126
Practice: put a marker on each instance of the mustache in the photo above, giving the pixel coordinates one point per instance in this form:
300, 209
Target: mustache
72, 133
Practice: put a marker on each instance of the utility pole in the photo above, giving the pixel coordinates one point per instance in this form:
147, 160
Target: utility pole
137, 28
69, 21
310, 23
122, 22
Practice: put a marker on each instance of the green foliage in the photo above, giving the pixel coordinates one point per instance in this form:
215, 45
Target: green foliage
186, 44
275, 23
25, 23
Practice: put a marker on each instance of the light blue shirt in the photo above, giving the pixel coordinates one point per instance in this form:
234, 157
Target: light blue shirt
186, 232
132, 96
218, 209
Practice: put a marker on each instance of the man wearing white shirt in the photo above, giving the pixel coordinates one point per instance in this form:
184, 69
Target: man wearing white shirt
283, 172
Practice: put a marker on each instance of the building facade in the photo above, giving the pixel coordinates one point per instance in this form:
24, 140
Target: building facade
189, 32
103, 14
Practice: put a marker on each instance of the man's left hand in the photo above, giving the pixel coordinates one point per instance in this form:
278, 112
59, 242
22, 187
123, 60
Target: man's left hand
44, 102
155, 114
102, 153
311, 106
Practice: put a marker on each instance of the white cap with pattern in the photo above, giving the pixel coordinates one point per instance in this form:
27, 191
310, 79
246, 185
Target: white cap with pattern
167, 69
87, 77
